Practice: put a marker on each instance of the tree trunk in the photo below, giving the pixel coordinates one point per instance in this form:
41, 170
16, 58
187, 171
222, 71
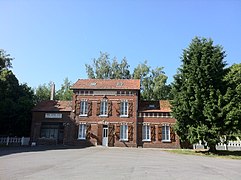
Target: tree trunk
212, 148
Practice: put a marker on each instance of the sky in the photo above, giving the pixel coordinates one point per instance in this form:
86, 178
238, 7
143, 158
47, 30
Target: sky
51, 40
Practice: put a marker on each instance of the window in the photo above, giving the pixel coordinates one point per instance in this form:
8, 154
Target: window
124, 108
166, 133
146, 133
49, 133
49, 130
83, 108
151, 106
124, 132
82, 131
103, 108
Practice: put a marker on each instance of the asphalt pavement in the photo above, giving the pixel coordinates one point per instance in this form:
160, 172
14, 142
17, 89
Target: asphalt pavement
113, 163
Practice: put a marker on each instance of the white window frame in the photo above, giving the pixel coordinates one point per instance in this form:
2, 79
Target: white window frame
104, 108
84, 113
124, 132
82, 131
166, 136
146, 132
124, 108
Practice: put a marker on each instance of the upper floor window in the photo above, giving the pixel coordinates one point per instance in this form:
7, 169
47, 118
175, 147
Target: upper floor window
124, 108
125, 93
83, 108
103, 108
124, 132
166, 133
85, 93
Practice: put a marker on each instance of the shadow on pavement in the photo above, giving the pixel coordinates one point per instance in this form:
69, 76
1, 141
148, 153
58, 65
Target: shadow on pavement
20, 149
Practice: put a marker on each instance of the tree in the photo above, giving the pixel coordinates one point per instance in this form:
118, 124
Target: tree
16, 103
5, 60
153, 82
197, 89
102, 68
232, 103
65, 93
43, 92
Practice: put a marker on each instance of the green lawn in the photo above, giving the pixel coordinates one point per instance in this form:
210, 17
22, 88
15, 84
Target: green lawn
218, 154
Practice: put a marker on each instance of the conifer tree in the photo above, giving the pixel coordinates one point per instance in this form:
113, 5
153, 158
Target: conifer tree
198, 88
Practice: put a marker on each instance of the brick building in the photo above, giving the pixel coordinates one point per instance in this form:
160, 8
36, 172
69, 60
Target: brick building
105, 112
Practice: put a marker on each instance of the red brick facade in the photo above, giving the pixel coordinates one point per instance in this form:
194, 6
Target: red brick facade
106, 112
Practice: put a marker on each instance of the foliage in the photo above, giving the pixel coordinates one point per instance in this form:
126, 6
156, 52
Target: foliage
153, 82
15, 105
5, 60
197, 89
232, 101
65, 93
42, 93
102, 68
16, 101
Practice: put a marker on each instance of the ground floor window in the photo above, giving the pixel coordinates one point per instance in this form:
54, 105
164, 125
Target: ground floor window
166, 133
146, 133
124, 132
82, 131
49, 130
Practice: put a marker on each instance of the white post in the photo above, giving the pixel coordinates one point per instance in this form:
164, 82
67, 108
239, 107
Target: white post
7, 140
22, 141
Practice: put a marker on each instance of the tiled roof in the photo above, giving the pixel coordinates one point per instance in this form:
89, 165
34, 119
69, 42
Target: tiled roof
129, 84
53, 106
155, 106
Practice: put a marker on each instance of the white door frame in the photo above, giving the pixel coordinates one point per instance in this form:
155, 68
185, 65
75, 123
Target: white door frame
105, 136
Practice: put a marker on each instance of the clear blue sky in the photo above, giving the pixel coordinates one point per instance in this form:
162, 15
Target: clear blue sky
51, 40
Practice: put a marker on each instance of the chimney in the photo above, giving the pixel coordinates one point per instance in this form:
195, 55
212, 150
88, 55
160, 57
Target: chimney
52, 91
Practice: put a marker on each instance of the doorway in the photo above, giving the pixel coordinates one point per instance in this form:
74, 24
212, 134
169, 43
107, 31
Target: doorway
105, 135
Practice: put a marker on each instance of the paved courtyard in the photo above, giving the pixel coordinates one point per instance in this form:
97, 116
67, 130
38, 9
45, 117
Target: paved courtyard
113, 163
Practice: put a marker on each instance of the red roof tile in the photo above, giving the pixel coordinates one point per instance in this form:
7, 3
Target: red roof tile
128, 84
53, 106
155, 106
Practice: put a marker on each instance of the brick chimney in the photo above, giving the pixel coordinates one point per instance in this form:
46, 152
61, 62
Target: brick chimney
52, 91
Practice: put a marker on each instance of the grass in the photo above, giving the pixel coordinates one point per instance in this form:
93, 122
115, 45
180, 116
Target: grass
217, 154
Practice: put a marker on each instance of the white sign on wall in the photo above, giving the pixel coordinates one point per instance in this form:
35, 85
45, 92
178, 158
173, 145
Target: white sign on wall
53, 115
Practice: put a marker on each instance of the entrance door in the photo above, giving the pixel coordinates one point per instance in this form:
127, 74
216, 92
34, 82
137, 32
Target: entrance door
105, 136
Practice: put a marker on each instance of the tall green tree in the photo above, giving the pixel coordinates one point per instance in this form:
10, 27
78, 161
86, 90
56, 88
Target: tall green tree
104, 68
65, 93
153, 82
232, 103
16, 101
197, 89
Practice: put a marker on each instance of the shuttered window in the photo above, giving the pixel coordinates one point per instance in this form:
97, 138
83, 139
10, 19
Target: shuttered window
124, 108
124, 132
103, 108
83, 108
146, 133
166, 133
82, 131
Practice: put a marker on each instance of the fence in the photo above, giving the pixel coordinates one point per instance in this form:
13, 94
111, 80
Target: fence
231, 145
23, 141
